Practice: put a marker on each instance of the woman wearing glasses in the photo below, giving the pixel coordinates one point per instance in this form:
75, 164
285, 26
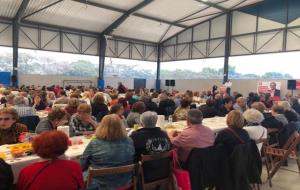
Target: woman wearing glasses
10, 130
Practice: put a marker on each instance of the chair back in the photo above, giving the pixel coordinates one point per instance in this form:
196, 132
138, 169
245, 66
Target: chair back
134, 168
275, 157
147, 160
30, 121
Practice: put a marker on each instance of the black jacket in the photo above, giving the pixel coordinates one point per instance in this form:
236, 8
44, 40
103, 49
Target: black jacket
209, 111
246, 166
209, 167
6, 176
151, 141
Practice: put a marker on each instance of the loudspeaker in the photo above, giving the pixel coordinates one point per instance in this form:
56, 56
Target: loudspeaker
167, 83
172, 82
291, 84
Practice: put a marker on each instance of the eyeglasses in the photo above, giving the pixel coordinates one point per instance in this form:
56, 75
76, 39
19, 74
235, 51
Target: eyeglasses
5, 119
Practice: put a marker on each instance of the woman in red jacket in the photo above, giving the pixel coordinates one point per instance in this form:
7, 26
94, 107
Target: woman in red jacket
51, 173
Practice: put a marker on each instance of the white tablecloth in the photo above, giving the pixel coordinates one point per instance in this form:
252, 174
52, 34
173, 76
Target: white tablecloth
216, 124
73, 153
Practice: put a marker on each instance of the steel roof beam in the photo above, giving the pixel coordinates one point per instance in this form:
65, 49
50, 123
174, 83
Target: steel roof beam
21, 11
214, 5
121, 19
124, 11
37, 11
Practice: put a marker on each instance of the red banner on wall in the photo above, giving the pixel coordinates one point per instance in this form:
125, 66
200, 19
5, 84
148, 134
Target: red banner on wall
298, 84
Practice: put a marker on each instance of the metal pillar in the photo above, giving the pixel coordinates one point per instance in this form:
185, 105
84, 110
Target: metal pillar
16, 27
101, 47
158, 68
227, 45
15, 53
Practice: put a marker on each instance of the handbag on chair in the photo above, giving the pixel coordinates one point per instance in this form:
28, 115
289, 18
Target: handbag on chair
182, 176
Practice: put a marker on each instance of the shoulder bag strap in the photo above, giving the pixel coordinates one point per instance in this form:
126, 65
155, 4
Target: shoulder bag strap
235, 134
27, 187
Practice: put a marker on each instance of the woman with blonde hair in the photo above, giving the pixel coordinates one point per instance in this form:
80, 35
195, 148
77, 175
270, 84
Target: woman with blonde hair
234, 134
111, 148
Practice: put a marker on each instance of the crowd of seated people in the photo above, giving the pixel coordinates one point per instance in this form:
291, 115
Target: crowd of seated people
107, 113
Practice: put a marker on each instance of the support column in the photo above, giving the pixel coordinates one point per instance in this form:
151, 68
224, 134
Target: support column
101, 48
16, 27
227, 45
158, 68
15, 53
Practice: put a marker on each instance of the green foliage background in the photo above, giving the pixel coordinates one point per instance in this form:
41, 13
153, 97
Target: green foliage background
30, 64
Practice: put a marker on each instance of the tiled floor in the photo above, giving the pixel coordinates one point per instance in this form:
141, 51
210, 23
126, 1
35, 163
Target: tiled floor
283, 180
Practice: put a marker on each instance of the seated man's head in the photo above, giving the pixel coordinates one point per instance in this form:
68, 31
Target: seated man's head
148, 119
117, 109
57, 117
241, 101
194, 117
84, 111
8, 116
19, 100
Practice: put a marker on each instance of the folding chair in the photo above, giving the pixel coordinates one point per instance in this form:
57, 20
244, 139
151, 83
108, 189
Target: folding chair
133, 168
275, 157
165, 180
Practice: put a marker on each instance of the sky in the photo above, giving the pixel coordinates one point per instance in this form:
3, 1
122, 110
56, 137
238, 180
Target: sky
255, 64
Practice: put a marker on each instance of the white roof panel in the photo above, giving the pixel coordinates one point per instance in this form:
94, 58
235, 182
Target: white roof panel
76, 15
199, 20
171, 10
248, 2
172, 31
231, 4
142, 29
211, 11
9, 8
121, 4
37, 5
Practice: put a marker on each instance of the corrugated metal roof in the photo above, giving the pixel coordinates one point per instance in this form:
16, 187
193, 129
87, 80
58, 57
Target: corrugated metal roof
121, 4
139, 28
169, 9
151, 23
76, 15
35, 5
9, 8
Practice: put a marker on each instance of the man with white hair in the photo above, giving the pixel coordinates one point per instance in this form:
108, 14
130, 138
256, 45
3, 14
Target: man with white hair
194, 136
150, 139
22, 108
253, 126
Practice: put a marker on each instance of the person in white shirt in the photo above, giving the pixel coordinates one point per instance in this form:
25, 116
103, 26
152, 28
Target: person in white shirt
228, 85
253, 126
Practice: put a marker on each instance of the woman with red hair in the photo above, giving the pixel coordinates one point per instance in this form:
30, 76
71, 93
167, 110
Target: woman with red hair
52, 173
